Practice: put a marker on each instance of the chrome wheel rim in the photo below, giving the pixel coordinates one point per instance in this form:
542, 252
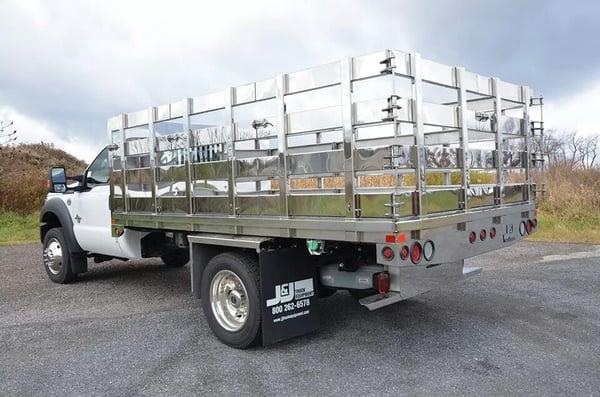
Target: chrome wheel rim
53, 256
229, 300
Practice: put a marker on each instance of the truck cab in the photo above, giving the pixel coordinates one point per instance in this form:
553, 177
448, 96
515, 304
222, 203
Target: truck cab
76, 223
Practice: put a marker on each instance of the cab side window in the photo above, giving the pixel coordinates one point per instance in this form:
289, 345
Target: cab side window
98, 173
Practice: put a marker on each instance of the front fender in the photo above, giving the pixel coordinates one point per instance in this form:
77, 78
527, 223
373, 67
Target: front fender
54, 209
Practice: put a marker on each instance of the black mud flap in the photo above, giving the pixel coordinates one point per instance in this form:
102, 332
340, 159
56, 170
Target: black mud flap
290, 304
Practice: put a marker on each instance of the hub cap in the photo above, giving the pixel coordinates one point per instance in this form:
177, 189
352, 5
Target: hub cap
53, 256
229, 300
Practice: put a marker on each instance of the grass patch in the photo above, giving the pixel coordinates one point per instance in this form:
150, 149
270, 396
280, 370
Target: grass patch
15, 228
555, 228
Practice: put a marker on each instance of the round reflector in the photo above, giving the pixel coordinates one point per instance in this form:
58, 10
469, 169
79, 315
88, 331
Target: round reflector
472, 237
387, 253
482, 234
428, 250
404, 252
522, 229
415, 252
492, 232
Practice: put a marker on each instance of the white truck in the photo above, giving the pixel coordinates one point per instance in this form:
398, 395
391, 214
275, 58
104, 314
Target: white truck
376, 174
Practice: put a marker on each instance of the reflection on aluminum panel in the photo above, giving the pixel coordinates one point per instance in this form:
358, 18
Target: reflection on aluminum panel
258, 205
317, 205
208, 102
480, 158
317, 119
140, 204
315, 77
480, 196
266, 89
316, 99
172, 141
170, 189
214, 204
441, 157
378, 205
316, 163
512, 159
514, 193
437, 72
168, 127
440, 201
441, 115
171, 157
212, 170
382, 157
137, 146
510, 125
479, 121
210, 188
209, 135
172, 205
133, 162
373, 111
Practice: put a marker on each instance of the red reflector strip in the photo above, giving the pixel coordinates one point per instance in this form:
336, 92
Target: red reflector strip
390, 238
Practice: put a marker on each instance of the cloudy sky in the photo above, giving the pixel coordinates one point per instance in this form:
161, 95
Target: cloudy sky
67, 66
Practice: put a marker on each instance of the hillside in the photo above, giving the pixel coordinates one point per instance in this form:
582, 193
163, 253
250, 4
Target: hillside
24, 173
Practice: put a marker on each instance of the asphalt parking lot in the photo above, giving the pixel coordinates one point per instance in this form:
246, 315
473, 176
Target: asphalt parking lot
529, 324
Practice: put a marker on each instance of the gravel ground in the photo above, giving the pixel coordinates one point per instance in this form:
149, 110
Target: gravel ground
529, 324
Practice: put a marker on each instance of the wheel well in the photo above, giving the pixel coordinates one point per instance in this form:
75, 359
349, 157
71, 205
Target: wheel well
49, 221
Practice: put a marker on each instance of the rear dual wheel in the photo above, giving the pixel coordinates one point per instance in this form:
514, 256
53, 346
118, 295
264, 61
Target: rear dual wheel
230, 292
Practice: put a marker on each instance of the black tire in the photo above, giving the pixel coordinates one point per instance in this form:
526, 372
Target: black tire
245, 267
177, 258
63, 274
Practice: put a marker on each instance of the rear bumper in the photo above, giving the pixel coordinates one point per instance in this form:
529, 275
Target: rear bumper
412, 281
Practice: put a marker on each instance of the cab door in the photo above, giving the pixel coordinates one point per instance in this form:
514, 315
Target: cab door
91, 211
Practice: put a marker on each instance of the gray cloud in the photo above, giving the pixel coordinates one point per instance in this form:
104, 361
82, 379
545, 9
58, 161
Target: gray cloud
73, 65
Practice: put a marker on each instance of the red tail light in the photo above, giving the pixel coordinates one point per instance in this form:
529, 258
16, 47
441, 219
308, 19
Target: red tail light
472, 237
482, 234
387, 253
492, 232
404, 252
416, 252
383, 282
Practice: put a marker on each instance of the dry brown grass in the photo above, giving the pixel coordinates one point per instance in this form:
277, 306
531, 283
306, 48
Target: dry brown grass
571, 194
24, 174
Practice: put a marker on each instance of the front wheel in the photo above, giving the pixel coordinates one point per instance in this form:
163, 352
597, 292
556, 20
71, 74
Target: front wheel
230, 292
57, 257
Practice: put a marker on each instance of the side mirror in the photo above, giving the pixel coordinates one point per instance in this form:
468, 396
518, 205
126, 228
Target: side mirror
57, 180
